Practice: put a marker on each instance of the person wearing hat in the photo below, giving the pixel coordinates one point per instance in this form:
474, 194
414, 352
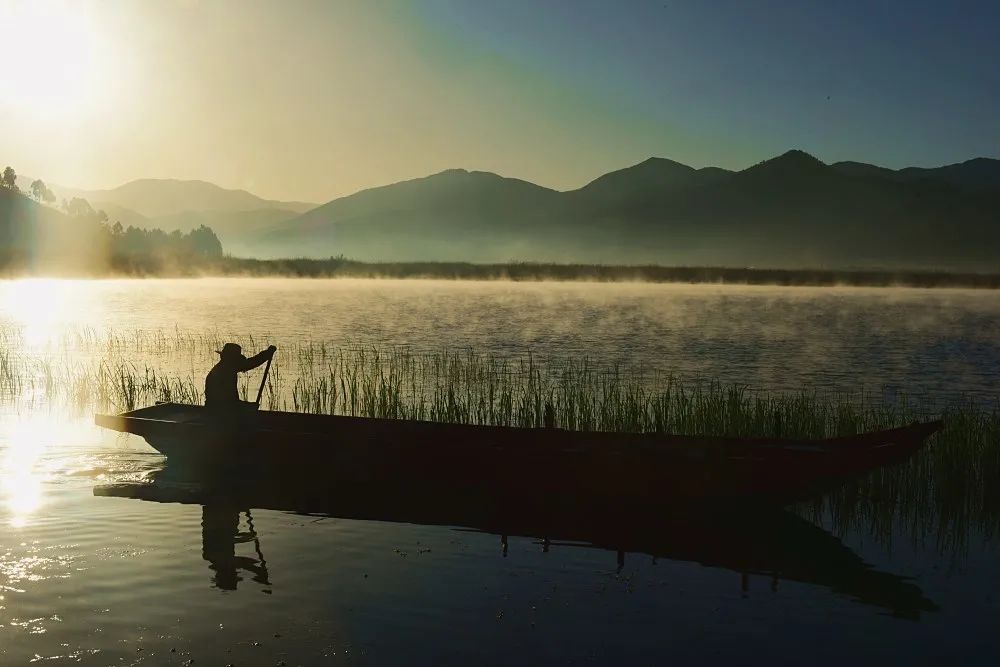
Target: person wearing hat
220, 384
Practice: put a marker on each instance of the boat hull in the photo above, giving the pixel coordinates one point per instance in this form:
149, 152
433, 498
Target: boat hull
618, 467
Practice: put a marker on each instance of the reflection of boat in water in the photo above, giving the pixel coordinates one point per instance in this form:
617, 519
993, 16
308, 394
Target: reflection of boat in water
616, 466
773, 543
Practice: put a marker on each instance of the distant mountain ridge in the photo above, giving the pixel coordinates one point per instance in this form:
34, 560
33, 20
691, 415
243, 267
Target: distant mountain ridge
649, 177
154, 197
792, 210
175, 204
448, 192
978, 173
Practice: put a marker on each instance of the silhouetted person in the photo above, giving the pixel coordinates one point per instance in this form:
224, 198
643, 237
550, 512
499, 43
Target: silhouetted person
220, 385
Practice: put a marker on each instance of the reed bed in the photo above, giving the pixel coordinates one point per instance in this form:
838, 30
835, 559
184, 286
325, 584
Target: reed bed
942, 494
945, 497
471, 388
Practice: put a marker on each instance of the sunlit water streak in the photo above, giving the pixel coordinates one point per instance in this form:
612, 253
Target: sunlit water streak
103, 580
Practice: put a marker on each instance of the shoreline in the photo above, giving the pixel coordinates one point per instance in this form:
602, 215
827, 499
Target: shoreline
338, 267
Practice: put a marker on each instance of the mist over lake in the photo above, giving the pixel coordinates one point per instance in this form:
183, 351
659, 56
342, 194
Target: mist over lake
940, 343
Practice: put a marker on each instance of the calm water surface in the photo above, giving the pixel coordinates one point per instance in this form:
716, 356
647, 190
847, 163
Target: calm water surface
101, 579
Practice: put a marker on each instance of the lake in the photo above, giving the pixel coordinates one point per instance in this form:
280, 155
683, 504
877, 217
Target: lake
94, 569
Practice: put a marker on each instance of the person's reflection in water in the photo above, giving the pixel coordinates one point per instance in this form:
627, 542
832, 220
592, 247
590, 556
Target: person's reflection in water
220, 533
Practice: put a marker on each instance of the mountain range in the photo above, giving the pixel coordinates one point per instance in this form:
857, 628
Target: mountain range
791, 211
172, 204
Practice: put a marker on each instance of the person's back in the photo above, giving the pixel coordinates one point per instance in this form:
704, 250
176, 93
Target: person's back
220, 383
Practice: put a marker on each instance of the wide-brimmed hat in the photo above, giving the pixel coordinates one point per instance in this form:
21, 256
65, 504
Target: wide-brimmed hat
230, 351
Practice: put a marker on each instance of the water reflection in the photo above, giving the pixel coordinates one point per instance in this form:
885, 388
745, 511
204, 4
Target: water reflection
43, 307
22, 470
777, 545
220, 533
37, 448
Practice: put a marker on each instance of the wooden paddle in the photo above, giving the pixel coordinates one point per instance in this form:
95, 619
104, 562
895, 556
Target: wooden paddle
260, 392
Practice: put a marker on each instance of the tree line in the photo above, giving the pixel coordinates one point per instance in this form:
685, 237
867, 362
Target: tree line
39, 191
122, 249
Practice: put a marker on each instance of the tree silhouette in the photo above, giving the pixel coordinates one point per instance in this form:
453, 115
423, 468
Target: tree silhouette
9, 179
131, 251
41, 192
149, 248
204, 243
78, 207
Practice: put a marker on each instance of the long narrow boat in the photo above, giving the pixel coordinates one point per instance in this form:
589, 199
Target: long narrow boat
619, 467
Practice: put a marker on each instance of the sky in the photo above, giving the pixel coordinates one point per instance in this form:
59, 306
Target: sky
311, 100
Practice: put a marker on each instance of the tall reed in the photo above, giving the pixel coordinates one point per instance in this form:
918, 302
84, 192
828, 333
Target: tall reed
942, 493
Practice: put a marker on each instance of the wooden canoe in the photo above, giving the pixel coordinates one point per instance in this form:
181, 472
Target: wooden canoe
615, 466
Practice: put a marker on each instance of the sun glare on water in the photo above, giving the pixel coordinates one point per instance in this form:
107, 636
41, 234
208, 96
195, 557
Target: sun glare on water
41, 308
57, 58
22, 469
32, 451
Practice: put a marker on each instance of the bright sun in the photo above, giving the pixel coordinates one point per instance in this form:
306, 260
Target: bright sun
53, 56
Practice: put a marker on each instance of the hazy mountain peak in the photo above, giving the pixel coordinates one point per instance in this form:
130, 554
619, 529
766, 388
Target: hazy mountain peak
993, 163
177, 185
977, 173
452, 178
980, 173
153, 197
788, 162
470, 177
796, 156
452, 193
651, 173
457, 171
178, 181
662, 162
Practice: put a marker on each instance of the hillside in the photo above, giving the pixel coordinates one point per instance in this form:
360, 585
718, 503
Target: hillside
790, 211
236, 216
154, 198
976, 174
20, 216
653, 178
42, 240
38, 238
445, 214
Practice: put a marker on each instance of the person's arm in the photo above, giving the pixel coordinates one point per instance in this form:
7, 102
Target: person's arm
258, 359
